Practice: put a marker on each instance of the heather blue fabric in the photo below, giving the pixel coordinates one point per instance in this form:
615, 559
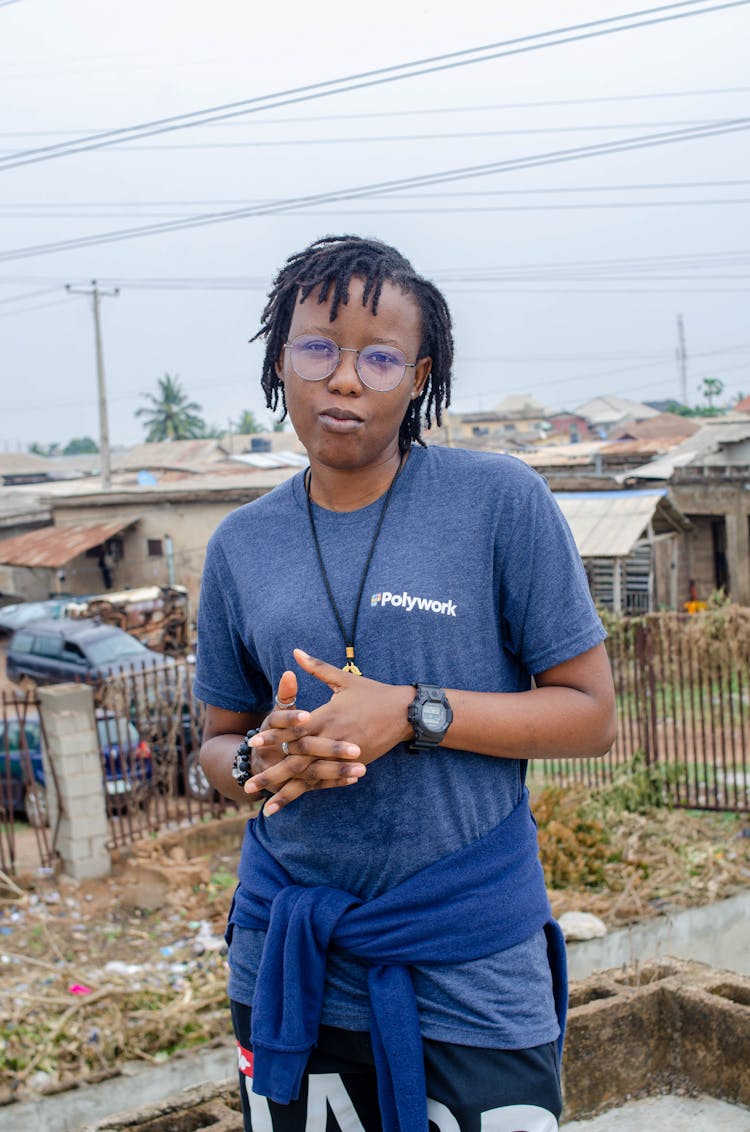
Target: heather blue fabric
486, 896
480, 540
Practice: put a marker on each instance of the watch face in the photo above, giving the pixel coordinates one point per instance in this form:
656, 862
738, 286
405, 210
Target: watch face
433, 716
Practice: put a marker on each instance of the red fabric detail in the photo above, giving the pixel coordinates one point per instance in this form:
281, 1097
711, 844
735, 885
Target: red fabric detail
245, 1060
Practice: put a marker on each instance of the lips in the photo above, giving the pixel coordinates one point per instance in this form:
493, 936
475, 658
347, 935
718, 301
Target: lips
339, 420
340, 415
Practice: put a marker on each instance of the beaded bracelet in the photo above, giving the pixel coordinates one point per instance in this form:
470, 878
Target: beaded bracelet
241, 771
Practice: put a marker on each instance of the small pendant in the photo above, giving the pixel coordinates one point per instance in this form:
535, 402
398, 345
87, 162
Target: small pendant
350, 666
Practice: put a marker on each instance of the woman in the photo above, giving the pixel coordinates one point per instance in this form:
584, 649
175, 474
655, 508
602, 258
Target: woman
395, 631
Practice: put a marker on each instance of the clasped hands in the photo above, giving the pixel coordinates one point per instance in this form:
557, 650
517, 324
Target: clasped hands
332, 745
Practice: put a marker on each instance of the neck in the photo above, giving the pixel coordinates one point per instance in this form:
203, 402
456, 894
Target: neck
344, 489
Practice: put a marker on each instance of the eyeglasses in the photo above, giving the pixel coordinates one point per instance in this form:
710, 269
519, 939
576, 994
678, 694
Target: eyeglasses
379, 367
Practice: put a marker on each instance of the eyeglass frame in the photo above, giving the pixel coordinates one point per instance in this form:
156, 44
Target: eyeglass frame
349, 350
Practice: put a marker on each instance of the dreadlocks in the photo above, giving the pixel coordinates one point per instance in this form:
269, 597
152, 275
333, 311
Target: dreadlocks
330, 264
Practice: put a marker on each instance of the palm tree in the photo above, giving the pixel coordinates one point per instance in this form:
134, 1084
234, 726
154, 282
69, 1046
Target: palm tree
246, 423
712, 387
169, 415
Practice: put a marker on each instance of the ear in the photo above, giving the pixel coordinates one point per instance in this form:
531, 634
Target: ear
421, 373
279, 368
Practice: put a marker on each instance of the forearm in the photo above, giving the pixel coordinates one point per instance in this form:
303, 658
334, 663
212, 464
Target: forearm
222, 735
542, 723
217, 757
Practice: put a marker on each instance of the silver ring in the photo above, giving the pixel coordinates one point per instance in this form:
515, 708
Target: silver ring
284, 704
285, 748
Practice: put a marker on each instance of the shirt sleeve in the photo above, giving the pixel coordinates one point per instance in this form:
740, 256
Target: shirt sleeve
546, 606
226, 674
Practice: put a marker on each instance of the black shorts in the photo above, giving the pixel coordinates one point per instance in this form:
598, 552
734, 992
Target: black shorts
469, 1089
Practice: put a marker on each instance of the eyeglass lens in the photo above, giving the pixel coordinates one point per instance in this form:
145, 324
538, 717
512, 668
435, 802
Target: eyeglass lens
379, 367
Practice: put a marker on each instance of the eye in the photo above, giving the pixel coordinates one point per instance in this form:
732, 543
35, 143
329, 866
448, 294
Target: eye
382, 358
317, 347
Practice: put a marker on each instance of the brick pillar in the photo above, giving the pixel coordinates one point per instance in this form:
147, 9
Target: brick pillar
72, 746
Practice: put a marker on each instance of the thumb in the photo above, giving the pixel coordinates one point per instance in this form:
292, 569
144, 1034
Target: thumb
329, 674
286, 693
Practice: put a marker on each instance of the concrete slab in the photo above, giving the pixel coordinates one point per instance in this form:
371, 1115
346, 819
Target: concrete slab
714, 933
668, 1114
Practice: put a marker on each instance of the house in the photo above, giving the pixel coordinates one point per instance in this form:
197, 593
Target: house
144, 531
516, 421
603, 413
630, 545
708, 476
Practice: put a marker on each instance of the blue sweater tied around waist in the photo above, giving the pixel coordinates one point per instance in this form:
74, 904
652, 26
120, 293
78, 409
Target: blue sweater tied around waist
479, 900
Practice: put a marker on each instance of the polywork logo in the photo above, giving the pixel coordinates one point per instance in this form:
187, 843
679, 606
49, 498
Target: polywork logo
409, 603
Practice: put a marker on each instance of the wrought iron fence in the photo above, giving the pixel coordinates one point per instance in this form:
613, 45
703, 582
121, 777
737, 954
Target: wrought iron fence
25, 840
160, 784
149, 734
683, 705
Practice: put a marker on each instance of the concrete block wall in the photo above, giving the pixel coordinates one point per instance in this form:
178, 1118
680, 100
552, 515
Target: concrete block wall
73, 773
665, 1026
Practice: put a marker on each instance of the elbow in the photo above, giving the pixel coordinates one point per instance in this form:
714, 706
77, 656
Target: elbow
604, 736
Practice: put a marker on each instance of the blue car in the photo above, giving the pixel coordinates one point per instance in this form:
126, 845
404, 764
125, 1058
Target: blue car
126, 765
14, 617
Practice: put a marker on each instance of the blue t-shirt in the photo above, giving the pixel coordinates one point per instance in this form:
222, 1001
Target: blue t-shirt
476, 584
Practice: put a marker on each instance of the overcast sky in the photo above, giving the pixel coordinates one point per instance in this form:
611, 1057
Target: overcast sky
565, 279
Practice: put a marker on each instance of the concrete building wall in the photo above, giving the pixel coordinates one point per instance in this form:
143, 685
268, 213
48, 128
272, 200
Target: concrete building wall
702, 502
188, 521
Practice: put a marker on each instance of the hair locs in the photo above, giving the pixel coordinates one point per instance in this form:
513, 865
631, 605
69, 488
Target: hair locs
330, 264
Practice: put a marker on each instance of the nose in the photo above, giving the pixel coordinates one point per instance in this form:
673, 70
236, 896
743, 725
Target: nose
345, 379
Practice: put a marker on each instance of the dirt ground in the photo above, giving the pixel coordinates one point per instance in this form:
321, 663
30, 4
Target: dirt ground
97, 973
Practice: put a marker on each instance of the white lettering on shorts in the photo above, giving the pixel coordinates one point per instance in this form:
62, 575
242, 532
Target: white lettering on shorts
510, 1118
259, 1111
519, 1118
324, 1089
328, 1089
406, 601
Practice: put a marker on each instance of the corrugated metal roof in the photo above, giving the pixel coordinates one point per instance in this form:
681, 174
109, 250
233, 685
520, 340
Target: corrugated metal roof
56, 546
608, 524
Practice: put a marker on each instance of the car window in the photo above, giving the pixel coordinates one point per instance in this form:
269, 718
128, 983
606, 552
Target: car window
22, 642
117, 730
113, 649
73, 653
50, 647
30, 731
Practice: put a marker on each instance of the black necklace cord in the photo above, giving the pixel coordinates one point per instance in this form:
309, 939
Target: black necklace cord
348, 639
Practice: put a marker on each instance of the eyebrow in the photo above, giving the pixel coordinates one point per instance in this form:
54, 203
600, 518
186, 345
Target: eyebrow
375, 341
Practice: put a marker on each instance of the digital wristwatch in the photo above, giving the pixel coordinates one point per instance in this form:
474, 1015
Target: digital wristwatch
430, 715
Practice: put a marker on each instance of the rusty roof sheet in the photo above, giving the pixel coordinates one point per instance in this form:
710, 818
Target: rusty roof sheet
608, 524
56, 546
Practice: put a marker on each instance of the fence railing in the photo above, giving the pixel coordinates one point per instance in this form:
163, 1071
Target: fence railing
164, 786
149, 730
683, 705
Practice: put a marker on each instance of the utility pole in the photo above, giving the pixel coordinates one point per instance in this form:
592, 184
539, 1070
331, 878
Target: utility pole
681, 355
95, 295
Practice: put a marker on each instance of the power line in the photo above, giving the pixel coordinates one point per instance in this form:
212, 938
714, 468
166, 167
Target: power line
384, 187
35, 307
432, 210
547, 189
431, 65
730, 258
698, 92
369, 139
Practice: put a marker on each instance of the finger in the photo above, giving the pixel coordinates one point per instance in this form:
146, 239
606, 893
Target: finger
317, 746
296, 788
312, 773
329, 674
286, 693
285, 719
